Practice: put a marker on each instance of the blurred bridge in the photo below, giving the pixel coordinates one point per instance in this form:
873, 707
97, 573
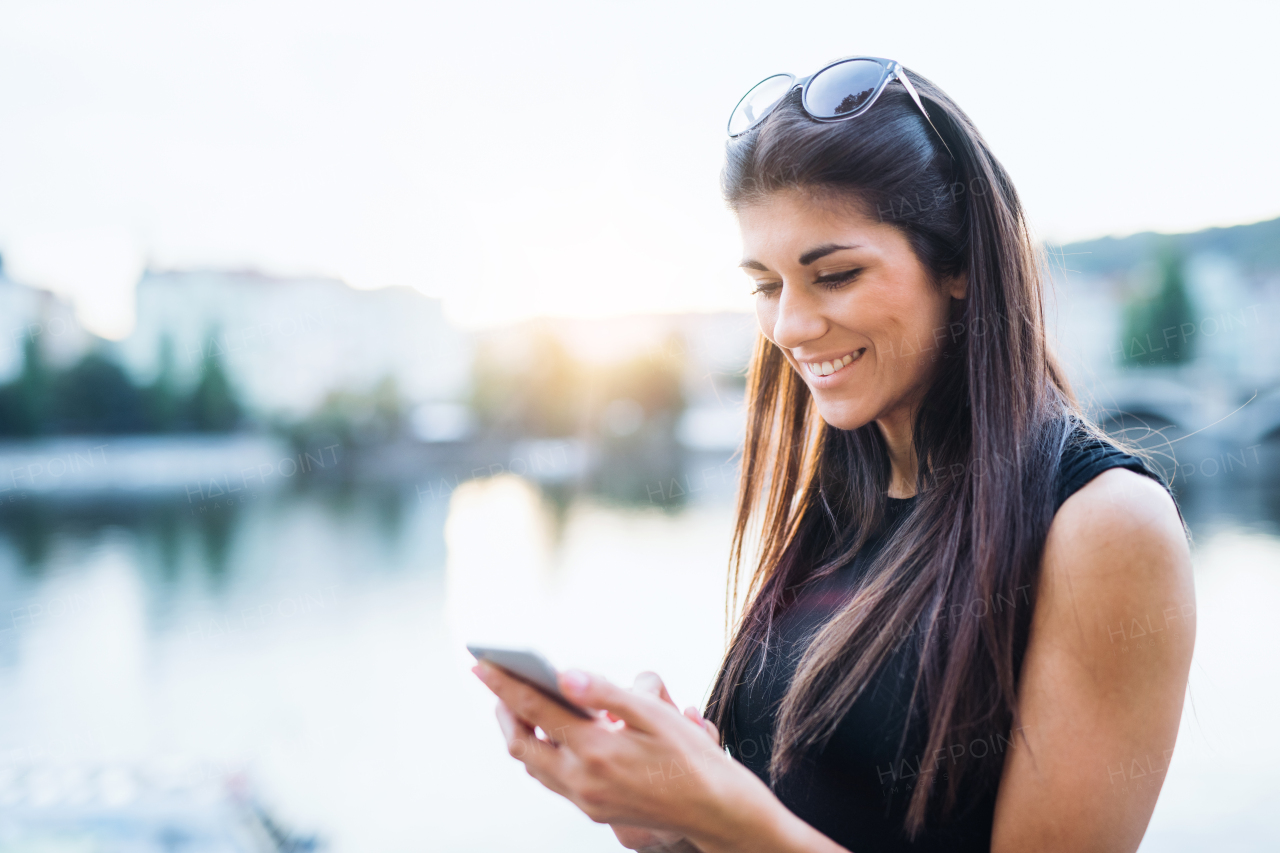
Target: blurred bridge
1227, 410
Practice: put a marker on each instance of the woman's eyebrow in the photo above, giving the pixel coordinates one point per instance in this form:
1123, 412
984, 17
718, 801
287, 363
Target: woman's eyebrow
805, 259
821, 252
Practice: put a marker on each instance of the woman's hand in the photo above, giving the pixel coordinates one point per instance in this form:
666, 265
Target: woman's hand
640, 764
639, 837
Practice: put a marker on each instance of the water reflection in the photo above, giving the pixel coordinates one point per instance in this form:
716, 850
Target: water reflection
306, 646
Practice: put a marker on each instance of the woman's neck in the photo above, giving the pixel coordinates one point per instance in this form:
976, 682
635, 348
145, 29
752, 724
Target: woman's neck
896, 430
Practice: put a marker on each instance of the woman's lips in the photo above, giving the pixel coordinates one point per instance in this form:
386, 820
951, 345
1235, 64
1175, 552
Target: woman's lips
835, 365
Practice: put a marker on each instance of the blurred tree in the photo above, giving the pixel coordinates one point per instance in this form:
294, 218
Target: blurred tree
352, 418
651, 383
538, 395
388, 409
635, 407
540, 390
1157, 328
213, 406
24, 402
95, 396
162, 401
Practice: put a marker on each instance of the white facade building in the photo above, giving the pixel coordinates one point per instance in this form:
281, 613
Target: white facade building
286, 342
29, 313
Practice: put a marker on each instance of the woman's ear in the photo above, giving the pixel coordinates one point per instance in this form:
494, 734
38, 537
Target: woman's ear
958, 286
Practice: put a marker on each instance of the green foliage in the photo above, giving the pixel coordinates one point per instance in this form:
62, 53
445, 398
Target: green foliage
24, 402
95, 395
1156, 327
162, 401
353, 418
213, 406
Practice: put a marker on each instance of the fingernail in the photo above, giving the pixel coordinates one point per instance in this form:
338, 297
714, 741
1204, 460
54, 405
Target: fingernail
576, 681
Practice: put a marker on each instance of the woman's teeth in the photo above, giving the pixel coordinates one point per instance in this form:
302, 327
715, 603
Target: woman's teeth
827, 368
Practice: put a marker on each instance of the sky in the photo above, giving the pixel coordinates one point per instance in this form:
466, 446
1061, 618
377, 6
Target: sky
561, 158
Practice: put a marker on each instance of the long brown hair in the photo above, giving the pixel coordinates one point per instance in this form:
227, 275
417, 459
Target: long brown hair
988, 438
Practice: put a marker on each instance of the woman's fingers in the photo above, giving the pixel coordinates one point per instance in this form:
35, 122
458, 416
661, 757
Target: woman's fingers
518, 734
711, 731
543, 760
707, 726
528, 703
640, 710
650, 682
510, 724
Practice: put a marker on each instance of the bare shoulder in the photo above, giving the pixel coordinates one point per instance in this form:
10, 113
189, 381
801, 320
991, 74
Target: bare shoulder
1117, 499
1115, 545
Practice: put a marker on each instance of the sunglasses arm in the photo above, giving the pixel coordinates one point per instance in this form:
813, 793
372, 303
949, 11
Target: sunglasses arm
901, 77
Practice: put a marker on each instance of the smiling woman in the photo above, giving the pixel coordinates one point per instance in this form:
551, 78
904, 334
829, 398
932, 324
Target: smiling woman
924, 655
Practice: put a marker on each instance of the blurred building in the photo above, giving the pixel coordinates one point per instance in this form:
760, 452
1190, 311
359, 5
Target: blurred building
29, 314
287, 342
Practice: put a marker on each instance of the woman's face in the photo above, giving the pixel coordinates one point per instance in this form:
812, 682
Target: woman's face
849, 304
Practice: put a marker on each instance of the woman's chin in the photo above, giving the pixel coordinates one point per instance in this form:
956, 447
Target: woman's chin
846, 416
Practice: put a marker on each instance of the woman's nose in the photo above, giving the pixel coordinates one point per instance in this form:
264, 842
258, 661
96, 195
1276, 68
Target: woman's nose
798, 319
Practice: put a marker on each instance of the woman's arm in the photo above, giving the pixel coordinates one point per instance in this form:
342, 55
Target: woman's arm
1105, 672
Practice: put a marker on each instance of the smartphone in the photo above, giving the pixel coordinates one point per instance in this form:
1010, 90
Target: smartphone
531, 668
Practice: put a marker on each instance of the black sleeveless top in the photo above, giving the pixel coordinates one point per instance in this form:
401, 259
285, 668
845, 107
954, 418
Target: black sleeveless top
856, 789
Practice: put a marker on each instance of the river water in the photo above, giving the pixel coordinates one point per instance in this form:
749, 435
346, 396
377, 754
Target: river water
304, 649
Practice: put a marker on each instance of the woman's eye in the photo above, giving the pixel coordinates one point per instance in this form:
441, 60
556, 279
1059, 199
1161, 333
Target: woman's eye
834, 281
837, 280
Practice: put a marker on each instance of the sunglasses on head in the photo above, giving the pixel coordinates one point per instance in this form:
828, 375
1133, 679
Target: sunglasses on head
842, 90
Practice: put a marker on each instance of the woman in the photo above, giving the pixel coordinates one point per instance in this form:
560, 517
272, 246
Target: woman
937, 649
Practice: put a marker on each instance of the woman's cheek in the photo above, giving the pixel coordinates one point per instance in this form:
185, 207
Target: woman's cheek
765, 316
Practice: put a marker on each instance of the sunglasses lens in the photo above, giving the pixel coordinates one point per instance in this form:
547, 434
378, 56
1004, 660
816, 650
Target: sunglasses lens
843, 89
756, 104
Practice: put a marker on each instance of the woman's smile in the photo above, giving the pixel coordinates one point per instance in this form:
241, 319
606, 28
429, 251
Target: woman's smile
825, 372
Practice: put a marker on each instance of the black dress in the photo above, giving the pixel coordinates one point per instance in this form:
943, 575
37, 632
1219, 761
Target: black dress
856, 790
